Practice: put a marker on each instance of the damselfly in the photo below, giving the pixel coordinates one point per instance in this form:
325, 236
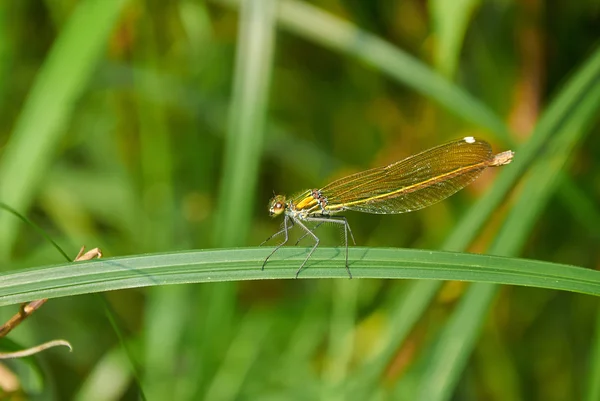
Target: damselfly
405, 186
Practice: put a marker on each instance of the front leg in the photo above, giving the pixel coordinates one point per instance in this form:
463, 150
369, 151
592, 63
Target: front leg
317, 241
283, 230
285, 240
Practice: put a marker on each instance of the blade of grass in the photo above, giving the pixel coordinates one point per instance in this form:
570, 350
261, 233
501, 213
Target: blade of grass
304, 342
404, 314
243, 146
155, 144
47, 110
112, 368
450, 21
240, 357
341, 338
167, 316
244, 264
455, 345
592, 391
118, 326
321, 27
246, 121
580, 205
459, 336
498, 366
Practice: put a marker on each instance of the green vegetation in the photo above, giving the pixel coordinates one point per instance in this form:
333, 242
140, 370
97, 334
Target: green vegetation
158, 131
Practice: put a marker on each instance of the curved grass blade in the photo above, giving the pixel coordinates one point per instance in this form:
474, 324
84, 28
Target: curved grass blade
244, 264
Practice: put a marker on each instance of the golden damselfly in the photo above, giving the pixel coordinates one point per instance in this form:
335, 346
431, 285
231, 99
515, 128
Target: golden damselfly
405, 186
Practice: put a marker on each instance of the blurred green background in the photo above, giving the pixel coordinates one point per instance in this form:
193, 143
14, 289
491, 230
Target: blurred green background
151, 126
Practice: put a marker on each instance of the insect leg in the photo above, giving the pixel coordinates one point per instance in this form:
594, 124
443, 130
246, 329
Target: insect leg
337, 220
347, 227
285, 231
305, 234
317, 241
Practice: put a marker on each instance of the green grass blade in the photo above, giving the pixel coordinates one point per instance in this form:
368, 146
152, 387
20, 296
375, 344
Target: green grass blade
404, 313
112, 368
455, 345
165, 325
341, 338
47, 110
592, 392
584, 209
450, 21
241, 355
246, 121
304, 341
244, 264
156, 228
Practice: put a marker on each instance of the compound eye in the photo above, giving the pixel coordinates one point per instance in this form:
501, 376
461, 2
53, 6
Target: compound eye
277, 208
277, 205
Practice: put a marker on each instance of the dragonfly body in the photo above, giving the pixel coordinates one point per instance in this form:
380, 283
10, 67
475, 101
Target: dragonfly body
407, 185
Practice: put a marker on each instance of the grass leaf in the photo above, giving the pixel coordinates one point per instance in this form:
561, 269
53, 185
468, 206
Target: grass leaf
244, 264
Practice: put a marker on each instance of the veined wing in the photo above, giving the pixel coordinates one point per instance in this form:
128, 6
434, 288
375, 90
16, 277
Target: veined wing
413, 183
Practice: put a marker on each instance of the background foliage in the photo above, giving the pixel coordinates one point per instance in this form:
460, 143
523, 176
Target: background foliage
150, 126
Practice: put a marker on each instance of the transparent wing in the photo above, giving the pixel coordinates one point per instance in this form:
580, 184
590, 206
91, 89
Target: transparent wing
413, 183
